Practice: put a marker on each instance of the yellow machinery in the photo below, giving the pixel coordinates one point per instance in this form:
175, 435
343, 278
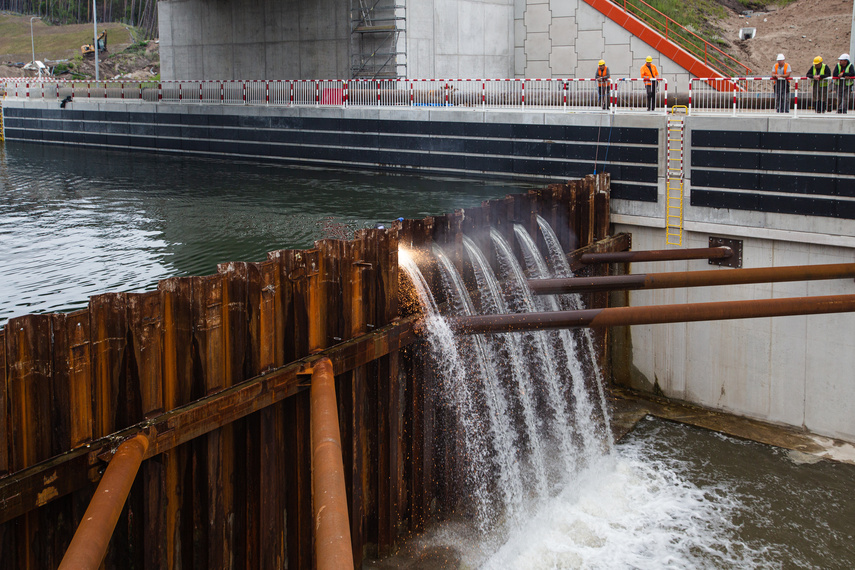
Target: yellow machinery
89, 49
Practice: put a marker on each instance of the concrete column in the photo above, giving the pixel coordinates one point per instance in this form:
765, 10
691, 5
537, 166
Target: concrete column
852, 33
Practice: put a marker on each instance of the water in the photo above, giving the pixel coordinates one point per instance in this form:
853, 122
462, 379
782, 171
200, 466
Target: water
76, 222
670, 496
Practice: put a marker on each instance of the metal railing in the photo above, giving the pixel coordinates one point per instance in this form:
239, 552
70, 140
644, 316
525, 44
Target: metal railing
719, 95
549, 94
746, 95
685, 38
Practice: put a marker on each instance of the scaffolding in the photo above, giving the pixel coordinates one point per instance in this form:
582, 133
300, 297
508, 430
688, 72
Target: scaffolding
378, 39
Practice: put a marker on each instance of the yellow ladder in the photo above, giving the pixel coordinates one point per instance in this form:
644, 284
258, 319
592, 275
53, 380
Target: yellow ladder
674, 174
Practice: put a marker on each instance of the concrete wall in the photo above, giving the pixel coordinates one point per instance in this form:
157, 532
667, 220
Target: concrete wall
798, 371
566, 38
254, 39
310, 39
460, 38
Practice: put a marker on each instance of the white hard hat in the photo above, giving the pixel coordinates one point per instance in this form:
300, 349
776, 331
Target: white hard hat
781, 57
844, 56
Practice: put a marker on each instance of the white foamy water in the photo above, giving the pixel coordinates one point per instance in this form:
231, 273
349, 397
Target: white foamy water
634, 509
625, 512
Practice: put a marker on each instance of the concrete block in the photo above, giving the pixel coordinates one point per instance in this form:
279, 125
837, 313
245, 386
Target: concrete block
590, 45
519, 33
562, 62
564, 8
537, 46
520, 62
519, 9
538, 69
588, 18
618, 58
615, 34
562, 32
641, 49
537, 18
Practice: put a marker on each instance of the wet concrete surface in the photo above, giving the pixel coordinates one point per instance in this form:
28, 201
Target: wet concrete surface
629, 407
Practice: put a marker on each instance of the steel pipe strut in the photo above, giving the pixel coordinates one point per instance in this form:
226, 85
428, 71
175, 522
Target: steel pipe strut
720, 252
692, 278
333, 549
655, 314
89, 544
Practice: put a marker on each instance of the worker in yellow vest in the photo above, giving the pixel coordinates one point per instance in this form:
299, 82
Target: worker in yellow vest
818, 73
649, 73
843, 74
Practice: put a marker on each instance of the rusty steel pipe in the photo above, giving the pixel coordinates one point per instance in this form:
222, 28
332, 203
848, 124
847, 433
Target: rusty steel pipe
329, 497
655, 314
720, 252
90, 541
692, 278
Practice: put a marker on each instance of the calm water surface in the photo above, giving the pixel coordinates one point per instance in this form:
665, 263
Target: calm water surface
76, 222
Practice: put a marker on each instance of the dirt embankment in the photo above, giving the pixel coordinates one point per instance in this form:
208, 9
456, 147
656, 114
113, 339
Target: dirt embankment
801, 31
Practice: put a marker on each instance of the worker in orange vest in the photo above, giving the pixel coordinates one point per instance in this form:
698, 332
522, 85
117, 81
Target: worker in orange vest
649, 73
781, 74
603, 81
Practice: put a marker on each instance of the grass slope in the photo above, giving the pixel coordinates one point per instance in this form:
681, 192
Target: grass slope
53, 42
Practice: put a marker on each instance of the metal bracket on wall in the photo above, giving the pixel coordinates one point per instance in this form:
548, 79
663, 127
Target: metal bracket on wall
734, 260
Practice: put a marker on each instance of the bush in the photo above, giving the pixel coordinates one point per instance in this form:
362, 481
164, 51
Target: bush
137, 48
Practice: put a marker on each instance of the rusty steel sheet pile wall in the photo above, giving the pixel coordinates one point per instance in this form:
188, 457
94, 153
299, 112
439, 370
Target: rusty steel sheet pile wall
209, 368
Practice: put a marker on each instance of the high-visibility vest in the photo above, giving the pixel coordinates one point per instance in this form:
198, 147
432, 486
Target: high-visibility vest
649, 73
602, 72
841, 71
786, 69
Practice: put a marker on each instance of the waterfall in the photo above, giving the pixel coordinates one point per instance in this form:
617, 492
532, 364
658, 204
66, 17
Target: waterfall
492, 301
456, 390
551, 379
561, 268
502, 430
584, 416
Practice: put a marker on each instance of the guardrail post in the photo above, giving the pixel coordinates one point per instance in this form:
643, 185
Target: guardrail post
796, 98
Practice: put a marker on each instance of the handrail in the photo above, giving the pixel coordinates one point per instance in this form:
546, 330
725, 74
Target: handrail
720, 66
89, 544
